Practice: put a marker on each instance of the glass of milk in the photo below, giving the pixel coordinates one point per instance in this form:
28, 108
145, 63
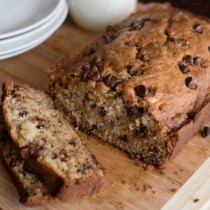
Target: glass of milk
96, 15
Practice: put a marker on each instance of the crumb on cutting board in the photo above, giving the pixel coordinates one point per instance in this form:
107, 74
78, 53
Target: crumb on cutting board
174, 190
196, 200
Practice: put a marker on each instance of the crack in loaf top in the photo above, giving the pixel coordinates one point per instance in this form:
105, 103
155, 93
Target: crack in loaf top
159, 58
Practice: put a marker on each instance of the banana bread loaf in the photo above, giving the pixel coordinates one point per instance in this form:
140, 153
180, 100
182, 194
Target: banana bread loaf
143, 85
47, 142
30, 186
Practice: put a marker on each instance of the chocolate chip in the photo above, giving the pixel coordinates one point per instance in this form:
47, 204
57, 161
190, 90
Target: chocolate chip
54, 156
132, 70
63, 155
40, 126
86, 67
84, 75
132, 111
23, 112
206, 132
72, 142
136, 25
13, 94
145, 57
184, 68
92, 127
107, 38
193, 115
190, 83
188, 59
198, 61
25, 153
34, 149
198, 28
12, 163
102, 111
179, 42
209, 48
124, 138
153, 150
96, 61
141, 90
95, 76
27, 168
112, 80
140, 132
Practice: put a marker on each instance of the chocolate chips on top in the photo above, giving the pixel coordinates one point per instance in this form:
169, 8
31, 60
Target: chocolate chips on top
132, 70
112, 80
190, 83
209, 48
198, 28
188, 59
198, 61
96, 61
206, 132
90, 70
145, 57
183, 68
86, 70
180, 42
141, 90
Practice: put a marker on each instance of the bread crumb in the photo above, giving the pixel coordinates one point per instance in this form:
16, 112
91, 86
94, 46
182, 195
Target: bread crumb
123, 181
112, 184
138, 189
196, 200
162, 172
174, 190
146, 187
149, 168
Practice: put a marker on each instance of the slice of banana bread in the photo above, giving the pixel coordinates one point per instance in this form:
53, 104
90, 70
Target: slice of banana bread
47, 142
143, 85
30, 186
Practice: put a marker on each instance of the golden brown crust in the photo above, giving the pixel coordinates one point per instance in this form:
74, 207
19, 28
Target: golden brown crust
157, 58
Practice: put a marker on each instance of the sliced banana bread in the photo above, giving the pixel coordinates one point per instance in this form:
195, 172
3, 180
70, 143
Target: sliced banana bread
143, 85
30, 186
48, 143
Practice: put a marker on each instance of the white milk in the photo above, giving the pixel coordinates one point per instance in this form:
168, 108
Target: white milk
95, 15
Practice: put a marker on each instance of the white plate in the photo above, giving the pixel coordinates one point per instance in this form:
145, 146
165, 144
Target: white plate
22, 41
20, 16
37, 39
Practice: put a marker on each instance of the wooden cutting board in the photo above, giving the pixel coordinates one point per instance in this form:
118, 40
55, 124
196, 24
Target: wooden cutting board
128, 186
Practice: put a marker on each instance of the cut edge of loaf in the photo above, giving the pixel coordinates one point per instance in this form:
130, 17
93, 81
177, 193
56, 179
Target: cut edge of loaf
65, 190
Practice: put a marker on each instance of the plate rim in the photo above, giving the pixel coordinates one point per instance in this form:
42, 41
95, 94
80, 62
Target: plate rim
35, 25
35, 42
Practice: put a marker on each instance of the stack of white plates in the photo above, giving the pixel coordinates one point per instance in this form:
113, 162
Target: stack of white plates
25, 24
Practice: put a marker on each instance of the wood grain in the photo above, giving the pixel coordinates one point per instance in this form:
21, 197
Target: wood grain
195, 194
127, 185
